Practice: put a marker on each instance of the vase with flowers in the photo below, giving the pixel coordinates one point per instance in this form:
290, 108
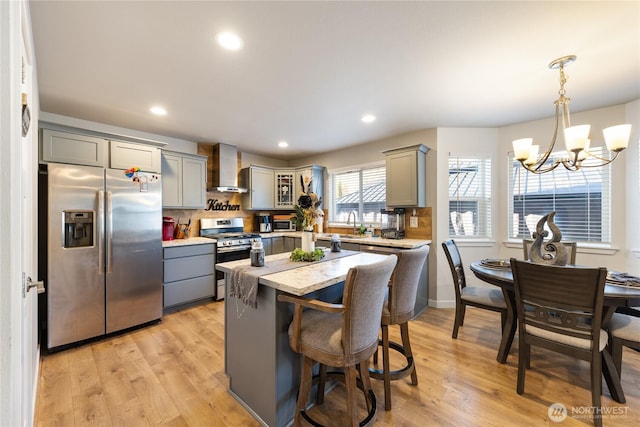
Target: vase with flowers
307, 213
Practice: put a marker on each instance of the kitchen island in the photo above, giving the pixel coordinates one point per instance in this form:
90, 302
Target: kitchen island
264, 373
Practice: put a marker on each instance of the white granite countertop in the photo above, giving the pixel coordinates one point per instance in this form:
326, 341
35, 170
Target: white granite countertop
372, 241
187, 242
308, 277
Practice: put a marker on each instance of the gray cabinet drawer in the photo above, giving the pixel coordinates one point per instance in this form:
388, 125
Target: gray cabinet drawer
188, 290
188, 267
185, 251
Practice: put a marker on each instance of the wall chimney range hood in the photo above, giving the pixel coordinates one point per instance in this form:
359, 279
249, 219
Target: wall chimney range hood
224, 177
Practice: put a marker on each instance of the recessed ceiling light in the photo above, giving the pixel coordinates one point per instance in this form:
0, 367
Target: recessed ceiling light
283, 144
368, 118
229, 40
158, 111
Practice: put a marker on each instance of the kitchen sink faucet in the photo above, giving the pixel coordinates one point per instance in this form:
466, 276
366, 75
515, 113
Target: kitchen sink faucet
354, 221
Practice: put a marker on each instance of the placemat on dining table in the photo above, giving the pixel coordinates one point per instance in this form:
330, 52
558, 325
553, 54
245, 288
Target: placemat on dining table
244, 279
623, 279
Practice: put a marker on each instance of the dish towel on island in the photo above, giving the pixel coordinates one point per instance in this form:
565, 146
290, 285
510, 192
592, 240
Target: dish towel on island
244, 279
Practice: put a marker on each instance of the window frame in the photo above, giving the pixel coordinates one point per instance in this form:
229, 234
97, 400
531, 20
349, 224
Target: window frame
484, 202
516, 170
330, 196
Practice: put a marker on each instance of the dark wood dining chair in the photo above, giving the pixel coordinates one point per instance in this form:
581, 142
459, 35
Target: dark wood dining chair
560, 309
624, 330
488, 298
572, 249
398, 310
341, 335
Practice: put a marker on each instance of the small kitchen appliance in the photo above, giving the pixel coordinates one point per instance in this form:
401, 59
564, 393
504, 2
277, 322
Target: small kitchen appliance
263, 222
283, 223
168, 227
392, 223
232, 243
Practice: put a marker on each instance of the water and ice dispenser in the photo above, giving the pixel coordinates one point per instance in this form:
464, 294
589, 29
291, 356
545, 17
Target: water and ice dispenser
78, 229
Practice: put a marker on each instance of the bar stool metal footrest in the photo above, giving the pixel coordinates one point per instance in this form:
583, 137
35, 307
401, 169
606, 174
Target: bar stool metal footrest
398, 373
339, 376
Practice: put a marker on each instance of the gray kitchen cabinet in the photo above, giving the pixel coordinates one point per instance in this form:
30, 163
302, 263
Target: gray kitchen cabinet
184, 179
273, 245
290, 243
125, 155
266, 245
189, 274
406, 176
64, 147
259, 182
277, 245
323, 243
350, 246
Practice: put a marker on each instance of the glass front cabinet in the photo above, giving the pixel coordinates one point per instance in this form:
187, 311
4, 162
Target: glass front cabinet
285, 189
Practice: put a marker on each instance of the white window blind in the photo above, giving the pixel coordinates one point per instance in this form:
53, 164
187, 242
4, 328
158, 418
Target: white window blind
581, 200
362, 191
469, 196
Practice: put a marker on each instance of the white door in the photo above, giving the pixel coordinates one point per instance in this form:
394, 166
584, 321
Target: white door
18, 190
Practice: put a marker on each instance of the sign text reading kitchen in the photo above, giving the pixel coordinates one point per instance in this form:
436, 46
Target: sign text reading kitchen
216, 205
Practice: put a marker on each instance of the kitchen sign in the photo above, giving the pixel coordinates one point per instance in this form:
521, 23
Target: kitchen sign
217, 205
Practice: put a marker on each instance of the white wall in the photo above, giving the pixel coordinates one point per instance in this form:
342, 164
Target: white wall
370, 152
460, 141
632, 159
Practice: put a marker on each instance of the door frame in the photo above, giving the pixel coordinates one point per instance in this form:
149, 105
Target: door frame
19, 351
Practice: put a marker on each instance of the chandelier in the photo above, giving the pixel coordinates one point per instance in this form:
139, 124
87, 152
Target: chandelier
576, 138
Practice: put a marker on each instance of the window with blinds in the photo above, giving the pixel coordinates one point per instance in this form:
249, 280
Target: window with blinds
362, 191
469, 196
581, 200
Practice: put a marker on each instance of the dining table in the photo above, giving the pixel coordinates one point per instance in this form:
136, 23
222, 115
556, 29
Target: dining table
498, 273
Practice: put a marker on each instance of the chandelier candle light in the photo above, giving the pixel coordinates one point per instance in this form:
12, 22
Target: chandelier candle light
576, 138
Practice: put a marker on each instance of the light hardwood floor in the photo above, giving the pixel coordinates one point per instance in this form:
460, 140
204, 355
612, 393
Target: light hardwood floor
172, 374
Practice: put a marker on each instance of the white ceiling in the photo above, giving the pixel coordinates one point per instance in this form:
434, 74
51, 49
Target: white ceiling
310, 70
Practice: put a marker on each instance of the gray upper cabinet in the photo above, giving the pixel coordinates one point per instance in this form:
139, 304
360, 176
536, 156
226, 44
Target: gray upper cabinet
125, 155
184, 179
278, 188
259, 182
406, 176
64, 147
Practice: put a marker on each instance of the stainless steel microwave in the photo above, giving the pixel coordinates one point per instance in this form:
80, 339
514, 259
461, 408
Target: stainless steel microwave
283, 225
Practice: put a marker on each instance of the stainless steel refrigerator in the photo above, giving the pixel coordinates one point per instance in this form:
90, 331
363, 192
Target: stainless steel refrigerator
104, 251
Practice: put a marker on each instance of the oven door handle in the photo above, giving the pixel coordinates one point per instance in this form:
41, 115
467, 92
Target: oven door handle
225, 250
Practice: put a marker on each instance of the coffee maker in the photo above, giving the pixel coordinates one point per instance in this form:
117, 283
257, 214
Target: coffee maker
263, 222
392, 223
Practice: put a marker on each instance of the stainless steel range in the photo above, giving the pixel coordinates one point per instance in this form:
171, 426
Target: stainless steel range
232, 243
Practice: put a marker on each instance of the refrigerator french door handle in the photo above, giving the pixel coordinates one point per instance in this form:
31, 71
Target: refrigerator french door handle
100, 221
109, 234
